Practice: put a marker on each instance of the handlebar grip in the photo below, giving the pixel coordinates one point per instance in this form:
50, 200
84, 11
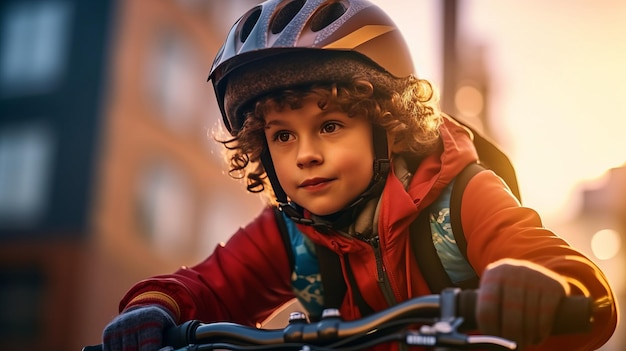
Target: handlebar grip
177, 336
466, 308
574, 313
181, 335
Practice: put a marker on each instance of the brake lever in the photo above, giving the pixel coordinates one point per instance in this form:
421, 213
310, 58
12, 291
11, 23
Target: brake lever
444, 332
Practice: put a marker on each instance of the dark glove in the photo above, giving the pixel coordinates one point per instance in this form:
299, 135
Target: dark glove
138, 329
518, 300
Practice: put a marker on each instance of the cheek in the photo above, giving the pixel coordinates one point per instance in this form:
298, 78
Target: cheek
358, 162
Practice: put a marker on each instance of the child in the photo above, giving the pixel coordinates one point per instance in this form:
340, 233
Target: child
327, 117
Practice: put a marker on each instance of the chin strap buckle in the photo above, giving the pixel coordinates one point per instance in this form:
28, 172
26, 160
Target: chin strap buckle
293, 213
381, 169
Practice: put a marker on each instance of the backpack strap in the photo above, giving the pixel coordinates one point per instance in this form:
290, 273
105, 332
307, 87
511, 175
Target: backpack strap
426, 255
458, 188
460, 183
332, 277
333, 283
284, 235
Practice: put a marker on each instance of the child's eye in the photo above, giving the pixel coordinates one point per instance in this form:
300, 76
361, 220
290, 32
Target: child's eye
330, 127
282, 136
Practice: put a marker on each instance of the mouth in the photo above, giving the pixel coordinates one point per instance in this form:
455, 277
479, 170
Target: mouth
314, 182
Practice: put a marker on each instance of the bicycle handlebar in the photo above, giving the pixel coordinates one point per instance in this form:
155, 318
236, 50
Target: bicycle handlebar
573, 316
452, 305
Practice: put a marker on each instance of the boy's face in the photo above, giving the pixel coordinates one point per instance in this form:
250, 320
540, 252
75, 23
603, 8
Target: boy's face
323, 159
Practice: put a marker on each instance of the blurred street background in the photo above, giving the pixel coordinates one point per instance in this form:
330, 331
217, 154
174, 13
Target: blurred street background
109, 172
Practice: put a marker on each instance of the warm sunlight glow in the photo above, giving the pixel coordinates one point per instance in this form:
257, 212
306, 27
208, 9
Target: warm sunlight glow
469, 101
556, 93
555, 97
606, 244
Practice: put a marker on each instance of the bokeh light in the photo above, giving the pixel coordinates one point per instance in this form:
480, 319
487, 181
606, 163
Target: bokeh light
605, 244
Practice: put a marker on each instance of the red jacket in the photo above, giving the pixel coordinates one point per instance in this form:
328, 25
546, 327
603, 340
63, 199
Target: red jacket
246, 279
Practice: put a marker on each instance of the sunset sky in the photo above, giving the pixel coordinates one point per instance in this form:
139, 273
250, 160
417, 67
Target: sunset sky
558, 84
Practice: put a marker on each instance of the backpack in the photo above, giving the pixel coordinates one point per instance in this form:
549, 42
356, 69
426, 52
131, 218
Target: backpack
437, 275
433, 264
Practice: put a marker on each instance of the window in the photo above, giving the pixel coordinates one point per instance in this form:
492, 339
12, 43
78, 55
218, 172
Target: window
166, 207
35, 37
26, 153
176, 81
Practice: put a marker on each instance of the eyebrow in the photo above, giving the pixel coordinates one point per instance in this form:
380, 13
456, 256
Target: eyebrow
281, 123
275, 122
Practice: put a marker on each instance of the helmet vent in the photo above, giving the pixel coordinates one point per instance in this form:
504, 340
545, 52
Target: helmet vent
249, 24
327, 15
285, 15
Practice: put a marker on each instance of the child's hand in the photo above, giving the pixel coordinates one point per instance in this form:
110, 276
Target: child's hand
518, 299
139, 329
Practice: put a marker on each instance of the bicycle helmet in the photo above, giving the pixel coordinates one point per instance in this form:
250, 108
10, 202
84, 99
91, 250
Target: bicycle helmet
268, 48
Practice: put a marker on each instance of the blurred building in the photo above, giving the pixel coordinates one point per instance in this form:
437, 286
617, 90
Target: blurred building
107, 174
466, 79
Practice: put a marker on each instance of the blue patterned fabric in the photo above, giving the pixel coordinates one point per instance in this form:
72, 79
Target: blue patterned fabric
453, 260
306, 279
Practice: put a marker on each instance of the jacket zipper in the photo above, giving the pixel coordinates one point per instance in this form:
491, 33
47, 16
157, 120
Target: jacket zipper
382, 278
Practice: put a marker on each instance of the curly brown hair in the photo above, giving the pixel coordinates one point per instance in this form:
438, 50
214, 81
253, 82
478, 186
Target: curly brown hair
411, 118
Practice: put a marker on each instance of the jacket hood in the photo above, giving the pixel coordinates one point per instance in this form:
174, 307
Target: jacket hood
400, 207
438, 170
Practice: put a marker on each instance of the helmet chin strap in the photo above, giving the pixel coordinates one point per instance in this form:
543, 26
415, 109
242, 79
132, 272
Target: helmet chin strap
296, 213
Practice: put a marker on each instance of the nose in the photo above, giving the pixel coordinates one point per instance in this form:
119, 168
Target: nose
309, 153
